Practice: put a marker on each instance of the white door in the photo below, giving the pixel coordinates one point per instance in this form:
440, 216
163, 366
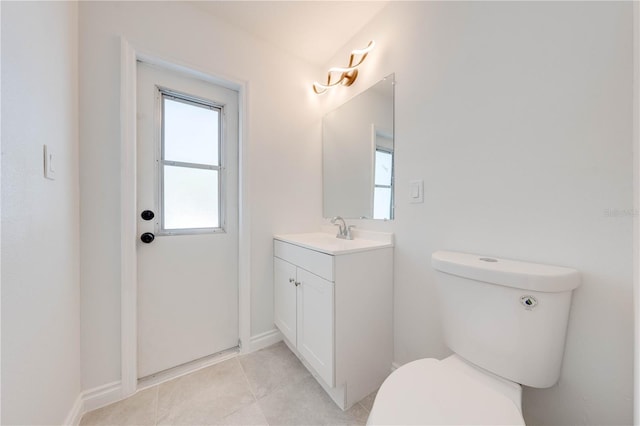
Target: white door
187, 179
284, 281
315, 323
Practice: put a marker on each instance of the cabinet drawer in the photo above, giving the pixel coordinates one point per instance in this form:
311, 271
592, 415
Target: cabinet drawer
317, 263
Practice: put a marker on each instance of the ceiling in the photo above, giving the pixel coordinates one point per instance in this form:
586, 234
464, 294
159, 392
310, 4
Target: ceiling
311, 30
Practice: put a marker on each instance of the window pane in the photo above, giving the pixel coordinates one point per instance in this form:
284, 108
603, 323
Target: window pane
190, 133
382, 203
383, 168
190, 198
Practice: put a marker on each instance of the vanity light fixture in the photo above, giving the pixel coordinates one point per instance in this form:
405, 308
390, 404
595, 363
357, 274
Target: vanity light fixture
344, 76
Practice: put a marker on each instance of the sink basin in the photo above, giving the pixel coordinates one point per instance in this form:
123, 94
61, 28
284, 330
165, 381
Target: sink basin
329, 244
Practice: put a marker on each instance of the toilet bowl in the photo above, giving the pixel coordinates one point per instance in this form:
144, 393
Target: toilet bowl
506, 323
447, 392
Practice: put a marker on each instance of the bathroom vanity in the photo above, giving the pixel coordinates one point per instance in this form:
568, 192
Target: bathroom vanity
333, 303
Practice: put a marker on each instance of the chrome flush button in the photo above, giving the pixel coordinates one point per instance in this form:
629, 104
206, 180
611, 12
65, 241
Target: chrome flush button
529, 302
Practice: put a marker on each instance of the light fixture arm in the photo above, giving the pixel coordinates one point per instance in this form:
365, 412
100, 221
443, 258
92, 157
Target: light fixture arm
344, 76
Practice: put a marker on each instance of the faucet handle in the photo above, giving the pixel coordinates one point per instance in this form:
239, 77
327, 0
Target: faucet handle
349, 236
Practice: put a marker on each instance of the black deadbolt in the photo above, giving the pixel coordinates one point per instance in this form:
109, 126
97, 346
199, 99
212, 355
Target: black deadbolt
147, 215
147, 237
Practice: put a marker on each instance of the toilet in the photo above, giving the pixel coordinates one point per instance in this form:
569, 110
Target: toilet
506, 323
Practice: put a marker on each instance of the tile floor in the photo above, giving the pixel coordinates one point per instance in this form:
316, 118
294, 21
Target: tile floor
267, 387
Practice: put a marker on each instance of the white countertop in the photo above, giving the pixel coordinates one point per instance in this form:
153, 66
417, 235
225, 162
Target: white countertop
325, 242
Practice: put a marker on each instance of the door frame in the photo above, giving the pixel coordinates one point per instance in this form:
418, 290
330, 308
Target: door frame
129, 55
636, 207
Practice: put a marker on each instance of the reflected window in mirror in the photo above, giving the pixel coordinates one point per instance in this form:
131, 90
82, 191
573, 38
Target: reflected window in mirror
383, 188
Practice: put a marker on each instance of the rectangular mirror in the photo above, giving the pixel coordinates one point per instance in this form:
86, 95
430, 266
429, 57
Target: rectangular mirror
358, 155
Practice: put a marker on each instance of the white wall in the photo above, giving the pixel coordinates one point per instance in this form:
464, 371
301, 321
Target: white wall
518, 116
40, 238
283, 150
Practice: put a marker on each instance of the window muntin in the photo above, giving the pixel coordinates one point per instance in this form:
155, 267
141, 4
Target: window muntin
190, 165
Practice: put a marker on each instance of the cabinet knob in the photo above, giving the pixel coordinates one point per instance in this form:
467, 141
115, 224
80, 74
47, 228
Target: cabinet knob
297, 283
292, 280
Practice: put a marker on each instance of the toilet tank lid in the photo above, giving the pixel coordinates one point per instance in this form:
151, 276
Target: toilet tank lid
509, 273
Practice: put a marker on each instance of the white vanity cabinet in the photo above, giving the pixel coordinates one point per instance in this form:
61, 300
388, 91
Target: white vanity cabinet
334, 309
304, 313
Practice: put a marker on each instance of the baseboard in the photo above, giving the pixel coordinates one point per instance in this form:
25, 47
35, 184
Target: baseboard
101, 395
92, 399
265, 339
74, 416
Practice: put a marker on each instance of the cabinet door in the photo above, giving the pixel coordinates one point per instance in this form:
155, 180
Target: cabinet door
285, 298
315, 323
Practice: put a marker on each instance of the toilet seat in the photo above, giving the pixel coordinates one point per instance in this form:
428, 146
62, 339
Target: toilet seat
451, 391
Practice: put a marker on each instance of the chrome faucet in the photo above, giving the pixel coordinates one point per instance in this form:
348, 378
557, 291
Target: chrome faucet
344, 231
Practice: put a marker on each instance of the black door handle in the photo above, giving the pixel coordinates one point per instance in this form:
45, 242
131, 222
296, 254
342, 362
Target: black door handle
147, 237
147, 215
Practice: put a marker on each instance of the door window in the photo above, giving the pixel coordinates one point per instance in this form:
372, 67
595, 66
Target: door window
190, 166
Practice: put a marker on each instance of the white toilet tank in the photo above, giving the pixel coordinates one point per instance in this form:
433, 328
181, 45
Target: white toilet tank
506, 316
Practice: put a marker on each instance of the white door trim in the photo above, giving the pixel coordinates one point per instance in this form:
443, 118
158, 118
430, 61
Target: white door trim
128, 210
636, 206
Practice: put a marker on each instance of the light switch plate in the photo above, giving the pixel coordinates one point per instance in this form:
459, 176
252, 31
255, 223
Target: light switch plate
416, 191
49, 166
